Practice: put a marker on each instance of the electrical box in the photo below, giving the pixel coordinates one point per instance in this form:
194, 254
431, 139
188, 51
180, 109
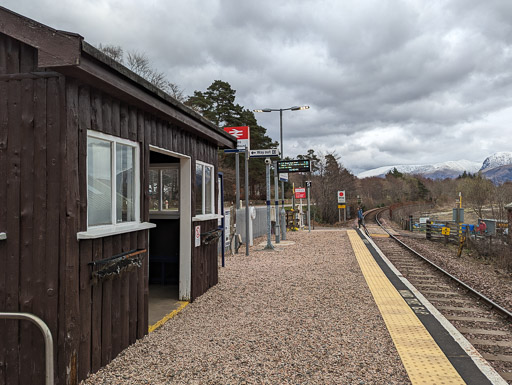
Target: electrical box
458, 215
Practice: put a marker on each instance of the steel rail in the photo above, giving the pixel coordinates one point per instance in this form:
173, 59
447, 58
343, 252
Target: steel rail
489, 301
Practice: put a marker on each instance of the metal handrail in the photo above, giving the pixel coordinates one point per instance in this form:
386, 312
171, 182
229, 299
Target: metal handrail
48, 340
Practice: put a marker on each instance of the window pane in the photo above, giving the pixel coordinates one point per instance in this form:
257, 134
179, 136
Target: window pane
170, 190
154, 190
125, 183
208, 190
199, 189
99, 182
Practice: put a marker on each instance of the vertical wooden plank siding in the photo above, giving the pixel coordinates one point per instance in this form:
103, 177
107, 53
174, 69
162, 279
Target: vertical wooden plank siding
3, 202
115, 301
106, 115
106, 312
86, 247
84, 362
52, 250
132, 295
26, 224
116, 119
96, 111
13, 227
124, 321
84, 124
96, 311
40, 226
71, 220
3, 214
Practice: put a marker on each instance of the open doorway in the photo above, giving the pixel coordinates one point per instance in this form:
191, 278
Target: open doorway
169, 242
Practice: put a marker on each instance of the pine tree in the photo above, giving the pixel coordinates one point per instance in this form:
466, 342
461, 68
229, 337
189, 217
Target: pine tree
217, 104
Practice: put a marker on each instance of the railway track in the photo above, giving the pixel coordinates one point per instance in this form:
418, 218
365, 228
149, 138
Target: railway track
484, 323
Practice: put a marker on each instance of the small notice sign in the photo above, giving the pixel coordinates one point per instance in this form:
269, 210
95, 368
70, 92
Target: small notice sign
445, 231
198, 236
341, 206
300, 193
341, 196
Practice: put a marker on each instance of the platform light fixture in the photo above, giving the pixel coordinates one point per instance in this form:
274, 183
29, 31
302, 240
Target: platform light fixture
294, 108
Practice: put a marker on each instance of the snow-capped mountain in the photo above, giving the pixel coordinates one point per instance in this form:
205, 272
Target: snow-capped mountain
497, 160
450, 169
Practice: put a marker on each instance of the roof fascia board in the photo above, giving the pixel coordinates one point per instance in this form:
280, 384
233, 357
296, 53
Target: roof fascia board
100, 77
126, 72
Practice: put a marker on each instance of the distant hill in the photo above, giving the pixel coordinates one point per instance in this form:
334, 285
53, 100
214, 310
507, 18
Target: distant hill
450, 169
499, 174
497, 167
497, 160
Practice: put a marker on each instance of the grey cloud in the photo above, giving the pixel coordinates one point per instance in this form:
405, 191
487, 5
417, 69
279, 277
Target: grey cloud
438, 72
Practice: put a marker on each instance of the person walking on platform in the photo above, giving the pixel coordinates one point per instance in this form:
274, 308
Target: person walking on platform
360, 217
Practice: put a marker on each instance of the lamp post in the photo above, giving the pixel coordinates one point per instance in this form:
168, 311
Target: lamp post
283, 212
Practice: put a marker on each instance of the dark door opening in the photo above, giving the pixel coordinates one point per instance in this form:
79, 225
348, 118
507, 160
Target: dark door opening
164, 239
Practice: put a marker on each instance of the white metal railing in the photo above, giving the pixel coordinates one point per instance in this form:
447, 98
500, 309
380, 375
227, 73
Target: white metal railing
48, 340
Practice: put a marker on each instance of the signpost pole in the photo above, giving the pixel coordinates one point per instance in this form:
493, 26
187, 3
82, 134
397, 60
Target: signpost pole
276, 197
247, 218
339, 215
345, 213
309, 206
269, 235
237, 177
283, 213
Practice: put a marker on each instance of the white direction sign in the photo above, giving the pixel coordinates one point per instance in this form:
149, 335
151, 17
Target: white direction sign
267, 153
341, 196
283, 176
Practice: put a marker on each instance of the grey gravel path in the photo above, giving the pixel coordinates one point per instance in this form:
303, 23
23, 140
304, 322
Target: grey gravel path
302, 315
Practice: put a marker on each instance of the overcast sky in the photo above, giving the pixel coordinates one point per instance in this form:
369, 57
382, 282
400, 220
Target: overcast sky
388, 82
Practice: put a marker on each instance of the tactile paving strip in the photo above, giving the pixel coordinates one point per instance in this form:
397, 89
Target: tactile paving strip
423, 359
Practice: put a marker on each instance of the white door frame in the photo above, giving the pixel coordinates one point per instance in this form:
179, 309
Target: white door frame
185, 221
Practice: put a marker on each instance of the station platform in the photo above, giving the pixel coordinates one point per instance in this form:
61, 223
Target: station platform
432, 351
327, 308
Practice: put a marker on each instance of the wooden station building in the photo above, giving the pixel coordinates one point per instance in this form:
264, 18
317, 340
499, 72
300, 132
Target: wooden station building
100, 173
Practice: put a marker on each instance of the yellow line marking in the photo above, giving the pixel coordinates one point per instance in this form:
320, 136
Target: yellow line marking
155, 326
424, 361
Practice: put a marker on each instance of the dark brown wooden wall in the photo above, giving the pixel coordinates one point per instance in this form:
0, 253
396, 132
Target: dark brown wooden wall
44, 270
205, 272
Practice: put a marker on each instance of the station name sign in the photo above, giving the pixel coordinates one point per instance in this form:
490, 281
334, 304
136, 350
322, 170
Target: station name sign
302, 165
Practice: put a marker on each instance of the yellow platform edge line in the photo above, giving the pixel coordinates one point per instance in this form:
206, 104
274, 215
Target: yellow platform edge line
423, 360
156, 325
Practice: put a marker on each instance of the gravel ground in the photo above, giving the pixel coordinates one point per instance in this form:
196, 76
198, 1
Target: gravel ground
483, 276
302, 315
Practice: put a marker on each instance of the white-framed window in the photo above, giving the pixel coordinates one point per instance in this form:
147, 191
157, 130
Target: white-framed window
164, 189
113, 187
205, 193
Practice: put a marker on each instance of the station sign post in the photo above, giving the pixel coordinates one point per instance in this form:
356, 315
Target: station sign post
341, 204
242, 134
308, 186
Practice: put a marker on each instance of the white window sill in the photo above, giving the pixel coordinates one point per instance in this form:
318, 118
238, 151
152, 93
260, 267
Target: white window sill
106, 231
206, 217
3, 236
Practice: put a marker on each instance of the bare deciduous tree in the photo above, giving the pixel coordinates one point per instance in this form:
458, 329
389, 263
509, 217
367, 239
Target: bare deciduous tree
140, 64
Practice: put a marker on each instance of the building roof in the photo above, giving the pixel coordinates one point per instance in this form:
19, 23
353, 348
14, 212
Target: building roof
69, 54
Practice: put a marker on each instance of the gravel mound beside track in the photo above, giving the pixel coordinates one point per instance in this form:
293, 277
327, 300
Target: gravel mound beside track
302, 315
494, 283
